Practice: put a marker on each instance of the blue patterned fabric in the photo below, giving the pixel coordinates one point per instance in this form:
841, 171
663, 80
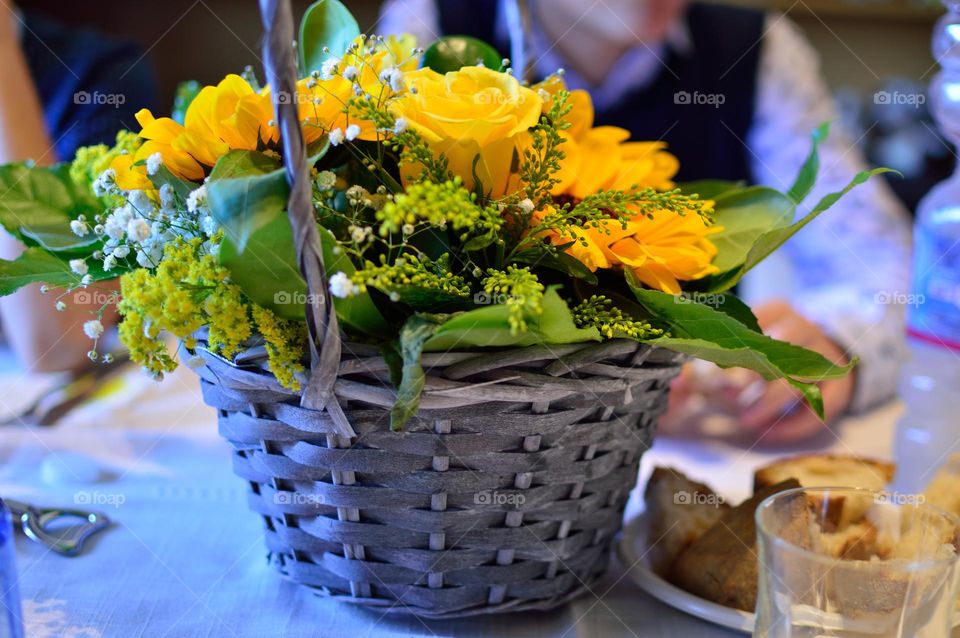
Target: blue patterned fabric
90, 85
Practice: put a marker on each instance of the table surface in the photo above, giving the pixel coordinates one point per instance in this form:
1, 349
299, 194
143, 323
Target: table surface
186, 558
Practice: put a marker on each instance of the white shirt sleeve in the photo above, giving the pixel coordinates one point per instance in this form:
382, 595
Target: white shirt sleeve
844, 269
416, 17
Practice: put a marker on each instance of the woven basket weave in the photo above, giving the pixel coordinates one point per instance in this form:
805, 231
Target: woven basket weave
505, 490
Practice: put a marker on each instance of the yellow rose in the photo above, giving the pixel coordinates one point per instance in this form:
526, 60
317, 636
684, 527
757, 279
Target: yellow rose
469, 114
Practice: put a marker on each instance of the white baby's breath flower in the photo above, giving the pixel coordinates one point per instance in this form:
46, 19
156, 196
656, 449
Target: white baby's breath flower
121, 251
109, 262
93, 328
341, 286
86, 280
329, 68
326, 180
527, 206
167, 201
197, 199
60, 306
105, 183
79, 266
336, 137
154, 162
350, 73
392, 77
138, 230
208, 225
353, 132
399, 126
407, 229
79, 228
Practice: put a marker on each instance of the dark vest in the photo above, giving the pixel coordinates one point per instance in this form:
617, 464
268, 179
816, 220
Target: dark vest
681, 105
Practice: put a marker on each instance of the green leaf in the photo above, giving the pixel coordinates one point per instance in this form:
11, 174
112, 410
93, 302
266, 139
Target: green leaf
560, 261
182, 99
357, 312
326, 23
42, 200
769, 241
266, 267
715, 336
413, 336
807, 176
35, 265
709, 188
246, 191
489, 327
745, 215
452, 52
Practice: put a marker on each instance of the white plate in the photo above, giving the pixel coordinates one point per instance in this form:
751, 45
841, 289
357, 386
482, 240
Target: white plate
632, 552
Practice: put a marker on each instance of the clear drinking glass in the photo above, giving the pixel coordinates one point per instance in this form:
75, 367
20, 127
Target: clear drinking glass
855, 563
11, 621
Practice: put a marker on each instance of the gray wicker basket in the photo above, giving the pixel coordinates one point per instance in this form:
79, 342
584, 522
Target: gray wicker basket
504, 492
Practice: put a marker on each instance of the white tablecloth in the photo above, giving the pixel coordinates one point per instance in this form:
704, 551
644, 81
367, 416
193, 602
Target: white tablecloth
186, 559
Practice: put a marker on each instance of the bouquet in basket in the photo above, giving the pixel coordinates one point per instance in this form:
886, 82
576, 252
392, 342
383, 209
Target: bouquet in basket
436, 308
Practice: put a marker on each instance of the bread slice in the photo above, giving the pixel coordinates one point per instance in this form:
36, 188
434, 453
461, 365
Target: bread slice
826, 470
679, 511
944, 490
722, 565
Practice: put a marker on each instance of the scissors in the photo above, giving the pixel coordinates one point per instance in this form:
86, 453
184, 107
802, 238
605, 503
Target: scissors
37, 523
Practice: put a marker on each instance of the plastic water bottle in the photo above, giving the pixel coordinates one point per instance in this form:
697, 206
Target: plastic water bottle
929, 430
11, 623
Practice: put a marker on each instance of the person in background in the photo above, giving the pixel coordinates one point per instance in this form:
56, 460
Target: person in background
735, 93
60, 89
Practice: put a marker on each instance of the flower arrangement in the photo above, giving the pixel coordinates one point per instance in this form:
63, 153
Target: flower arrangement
457, 208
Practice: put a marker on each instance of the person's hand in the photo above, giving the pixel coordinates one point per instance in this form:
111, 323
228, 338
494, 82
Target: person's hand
9, 33
775, 411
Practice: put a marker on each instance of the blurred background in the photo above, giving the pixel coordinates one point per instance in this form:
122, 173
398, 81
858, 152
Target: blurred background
870, 48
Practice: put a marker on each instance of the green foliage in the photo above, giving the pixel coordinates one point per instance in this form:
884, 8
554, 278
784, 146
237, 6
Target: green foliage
490, 327
37, 204
540, 163
36, 265
420, 283
452, 52
769, 241
710, 334
413, 336
599, 312
744, 215
807, 176
356, 312
183, 97
326, 24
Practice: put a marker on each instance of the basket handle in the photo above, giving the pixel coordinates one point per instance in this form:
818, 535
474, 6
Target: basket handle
280, 66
